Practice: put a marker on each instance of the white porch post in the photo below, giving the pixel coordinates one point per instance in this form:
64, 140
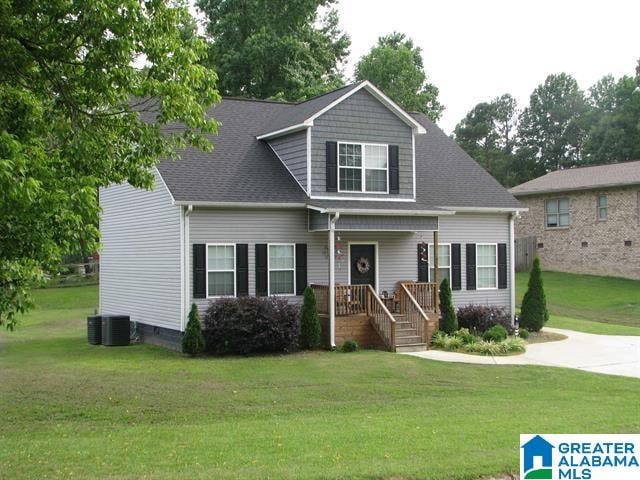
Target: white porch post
332, 279
512, 267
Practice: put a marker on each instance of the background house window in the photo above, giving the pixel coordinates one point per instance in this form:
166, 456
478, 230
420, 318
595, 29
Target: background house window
221, 261
486, 266
602, 206
557, 212
357, 161
282, 269
444, 262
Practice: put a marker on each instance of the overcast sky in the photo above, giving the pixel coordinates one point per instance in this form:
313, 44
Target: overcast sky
476, 50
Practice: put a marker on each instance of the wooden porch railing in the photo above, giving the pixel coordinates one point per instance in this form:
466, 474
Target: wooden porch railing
381, 318
424, 294
413, 313
359, 299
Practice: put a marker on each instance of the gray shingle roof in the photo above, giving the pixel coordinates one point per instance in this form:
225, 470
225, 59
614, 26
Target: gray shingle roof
583, 178
302, 111
242, 169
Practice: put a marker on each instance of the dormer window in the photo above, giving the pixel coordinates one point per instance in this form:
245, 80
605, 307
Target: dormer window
358, 161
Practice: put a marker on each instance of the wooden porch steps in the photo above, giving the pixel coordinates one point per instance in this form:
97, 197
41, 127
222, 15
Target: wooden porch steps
407, 338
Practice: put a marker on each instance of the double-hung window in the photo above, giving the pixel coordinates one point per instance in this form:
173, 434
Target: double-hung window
602, 206
486, 266
363, 167
282, 269
557, 213
221, 271
444, 262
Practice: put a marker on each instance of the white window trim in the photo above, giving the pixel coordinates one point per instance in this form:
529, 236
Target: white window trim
557, 214
495, 245
363, 167
600, 207
208, 270
269, 269
431, 264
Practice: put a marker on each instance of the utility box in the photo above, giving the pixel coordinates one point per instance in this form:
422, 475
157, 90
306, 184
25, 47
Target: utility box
94, 329
115, 330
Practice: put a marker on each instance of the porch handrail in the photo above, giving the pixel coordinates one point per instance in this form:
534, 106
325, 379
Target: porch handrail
424, 294
413, 312
381, 319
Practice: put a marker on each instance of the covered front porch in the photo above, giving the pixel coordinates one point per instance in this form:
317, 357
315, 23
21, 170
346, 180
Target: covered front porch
402, 321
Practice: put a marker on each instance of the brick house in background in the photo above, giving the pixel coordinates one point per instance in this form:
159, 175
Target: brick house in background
585, 220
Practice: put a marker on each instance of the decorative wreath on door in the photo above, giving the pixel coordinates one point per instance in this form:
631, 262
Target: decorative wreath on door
363, 265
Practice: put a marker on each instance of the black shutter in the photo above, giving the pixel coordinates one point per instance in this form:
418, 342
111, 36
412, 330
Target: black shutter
423, 267
471, 266
242, 269
262, 285
502, 265
332, 166
199, 270
456, 268
301, 268
394, 170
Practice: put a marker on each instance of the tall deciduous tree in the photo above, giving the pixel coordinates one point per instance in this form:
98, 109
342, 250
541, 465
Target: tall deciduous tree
488, 134
70, 120
395, 65
615, 117
275, 48
552, 127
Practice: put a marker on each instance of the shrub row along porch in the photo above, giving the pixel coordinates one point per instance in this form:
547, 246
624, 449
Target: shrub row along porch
402, 322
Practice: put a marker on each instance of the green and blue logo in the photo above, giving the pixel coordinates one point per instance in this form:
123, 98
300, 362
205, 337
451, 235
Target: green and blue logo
579, 457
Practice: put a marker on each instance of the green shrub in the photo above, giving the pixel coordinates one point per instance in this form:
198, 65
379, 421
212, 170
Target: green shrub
513, 344
466, 336
193, 340
534, 313
310, 329
497, 333
349, 346
448, 320
523, 333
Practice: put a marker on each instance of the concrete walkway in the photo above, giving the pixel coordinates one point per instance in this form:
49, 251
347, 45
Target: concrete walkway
609, 354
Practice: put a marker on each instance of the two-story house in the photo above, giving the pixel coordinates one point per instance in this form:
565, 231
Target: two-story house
345, 192
585, 220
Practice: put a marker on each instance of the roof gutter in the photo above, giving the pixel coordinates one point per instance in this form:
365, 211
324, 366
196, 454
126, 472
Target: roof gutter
241, 204
363, 211
486, 209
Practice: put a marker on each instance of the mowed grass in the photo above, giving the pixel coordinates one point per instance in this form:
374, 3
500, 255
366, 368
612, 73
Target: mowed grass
591, 304
70, 410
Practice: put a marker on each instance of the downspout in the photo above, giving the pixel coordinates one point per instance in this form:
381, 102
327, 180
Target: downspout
185, 263
512, 266
332, 278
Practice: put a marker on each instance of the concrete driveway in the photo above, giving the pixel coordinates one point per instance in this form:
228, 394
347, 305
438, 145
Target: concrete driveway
609, 354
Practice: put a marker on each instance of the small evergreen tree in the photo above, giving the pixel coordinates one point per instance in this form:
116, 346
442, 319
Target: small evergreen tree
310, 328
534, 313
193, 340
449, 321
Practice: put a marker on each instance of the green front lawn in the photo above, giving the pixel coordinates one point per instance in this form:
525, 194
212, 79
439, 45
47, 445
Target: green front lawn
591, 304
70, 410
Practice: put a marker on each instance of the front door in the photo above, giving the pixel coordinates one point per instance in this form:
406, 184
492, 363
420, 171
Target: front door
363, 264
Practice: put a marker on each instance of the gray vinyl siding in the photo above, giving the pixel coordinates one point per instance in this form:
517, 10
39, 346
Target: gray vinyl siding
466, 228
258, 226
361, 118
292, 150
397, 223
140, 255
397, 251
